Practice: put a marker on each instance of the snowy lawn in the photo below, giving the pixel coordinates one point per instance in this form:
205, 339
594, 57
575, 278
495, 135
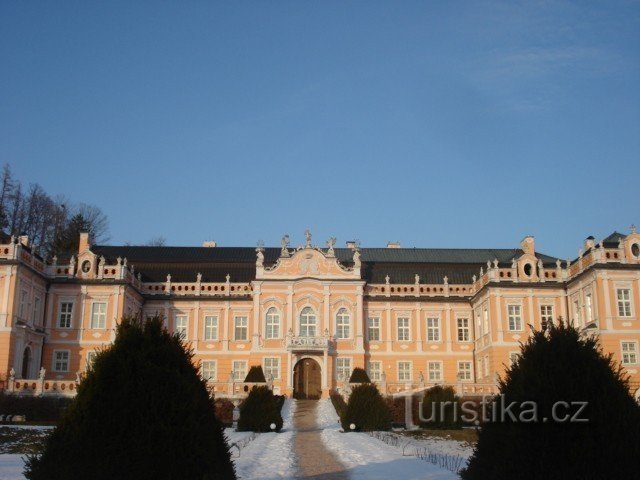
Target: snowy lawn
368, 458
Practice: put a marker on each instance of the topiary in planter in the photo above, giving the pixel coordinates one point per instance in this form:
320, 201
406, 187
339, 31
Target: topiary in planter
441, 409
142, 411
255, 375
560, 365
366, 409
359, 375
259, 410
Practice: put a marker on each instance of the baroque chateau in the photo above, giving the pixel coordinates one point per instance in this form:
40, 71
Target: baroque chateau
413, 317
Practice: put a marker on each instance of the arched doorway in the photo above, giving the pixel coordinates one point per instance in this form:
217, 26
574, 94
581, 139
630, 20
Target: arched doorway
26, 362
307, 379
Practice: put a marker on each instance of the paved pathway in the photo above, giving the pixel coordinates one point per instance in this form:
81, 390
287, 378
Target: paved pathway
314, 460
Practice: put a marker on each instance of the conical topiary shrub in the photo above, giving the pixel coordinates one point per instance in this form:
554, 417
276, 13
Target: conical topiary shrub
441, 409
359, 375
259, 410
366, 410
142, 412
560, 366
255, 375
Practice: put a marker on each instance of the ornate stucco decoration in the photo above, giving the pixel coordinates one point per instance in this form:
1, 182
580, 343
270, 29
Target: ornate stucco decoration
308, 261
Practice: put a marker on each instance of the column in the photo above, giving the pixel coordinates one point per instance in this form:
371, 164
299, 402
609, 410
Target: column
359, 320
255, 339
225, 329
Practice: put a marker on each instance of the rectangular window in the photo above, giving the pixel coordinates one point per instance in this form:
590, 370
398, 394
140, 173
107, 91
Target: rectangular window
513, 357
208, 370
546, 313
479, 367
629, 353
99, 315
464, 371
23, 304
588, 308
463, 330
485, 365
272, 368
61, 361
373, 324
239, 370
624, 302
272, 326
433, 329
435, 371
91, 356
210, 328
375, 371
403, 329
486, 321
181, 326
515, 318
241, 330
404, 371
35, 316
576, 312
64, 314
343, 368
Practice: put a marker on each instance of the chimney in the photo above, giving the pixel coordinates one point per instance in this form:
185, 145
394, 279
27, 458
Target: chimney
23, 240
393, 245
589, 243
352, 244
528, 245
84, 242
209, 244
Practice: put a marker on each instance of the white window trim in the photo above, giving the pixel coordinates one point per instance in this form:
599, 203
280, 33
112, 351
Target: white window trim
408, 317
441, 370
378, 328
438, 328
469, 328
380, 370
470, 379
245, 327
264, 369
514, 352
73, 308
279, 323
521, 315
636, 351
410, 362
216, 328
215, 369
350, 359
246, 369
315, 321
53, 363
186, 326
348, 325
106, 309
632, 311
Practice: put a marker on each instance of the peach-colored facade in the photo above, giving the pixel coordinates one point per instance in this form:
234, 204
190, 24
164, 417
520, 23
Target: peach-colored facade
412, 317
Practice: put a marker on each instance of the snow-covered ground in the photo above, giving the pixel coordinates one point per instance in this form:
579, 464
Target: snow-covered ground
11, 467
368, 458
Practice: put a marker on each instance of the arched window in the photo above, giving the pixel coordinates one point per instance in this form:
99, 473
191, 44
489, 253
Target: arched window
272, 327
343, 323
307, 322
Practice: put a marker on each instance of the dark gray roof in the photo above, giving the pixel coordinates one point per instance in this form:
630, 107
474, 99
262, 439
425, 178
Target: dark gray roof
613, 240
401, 264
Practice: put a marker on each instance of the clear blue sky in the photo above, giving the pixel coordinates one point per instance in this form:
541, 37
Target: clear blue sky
461, 124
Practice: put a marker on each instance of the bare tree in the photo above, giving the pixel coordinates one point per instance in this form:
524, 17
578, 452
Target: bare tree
158, 241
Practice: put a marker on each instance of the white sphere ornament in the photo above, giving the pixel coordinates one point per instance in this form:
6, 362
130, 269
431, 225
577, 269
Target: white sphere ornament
272, 426
352, 426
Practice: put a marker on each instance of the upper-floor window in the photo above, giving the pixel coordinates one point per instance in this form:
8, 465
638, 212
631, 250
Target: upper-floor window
343, 368
35, 315
577, 312
513, 357
23, 304
485, 365
546, 313
61, 361
272, 324
403, 329
404, 371
375, 370
624, 302
181, 326
99, 315
343, 320
464, 371
435, 371
629, 353
463, 330
241, 328
307, 322
208, 370
64, 314
515, 318
239, 370
588, 308
485, 321
373, 324
272, 368
91, 357
433, 329
210, 327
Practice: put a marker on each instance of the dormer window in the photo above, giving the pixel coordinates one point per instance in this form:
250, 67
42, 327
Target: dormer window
528, 269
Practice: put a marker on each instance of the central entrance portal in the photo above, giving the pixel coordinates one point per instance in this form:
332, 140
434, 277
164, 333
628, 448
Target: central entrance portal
307, 380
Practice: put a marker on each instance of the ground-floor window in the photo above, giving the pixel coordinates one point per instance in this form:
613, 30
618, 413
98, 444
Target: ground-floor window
61, 360
435, 371
629, 353
464, 371
343, 368
208, 370
404, 371
272, 368
239, 370
375, 371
